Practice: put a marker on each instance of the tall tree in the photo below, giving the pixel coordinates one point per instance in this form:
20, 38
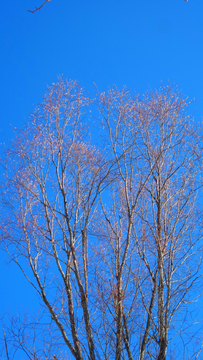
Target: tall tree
111, 231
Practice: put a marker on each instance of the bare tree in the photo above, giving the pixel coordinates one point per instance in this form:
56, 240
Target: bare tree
111, 232
154, 217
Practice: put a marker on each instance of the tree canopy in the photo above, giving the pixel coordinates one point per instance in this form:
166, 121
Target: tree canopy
101, 198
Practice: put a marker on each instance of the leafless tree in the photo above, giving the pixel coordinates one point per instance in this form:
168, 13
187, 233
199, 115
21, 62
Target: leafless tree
153, 224
111, 232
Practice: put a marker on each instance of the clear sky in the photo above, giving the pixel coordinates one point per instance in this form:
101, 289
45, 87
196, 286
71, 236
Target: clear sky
137, 43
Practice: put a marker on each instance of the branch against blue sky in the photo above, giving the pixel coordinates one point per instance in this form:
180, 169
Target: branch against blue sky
40, 7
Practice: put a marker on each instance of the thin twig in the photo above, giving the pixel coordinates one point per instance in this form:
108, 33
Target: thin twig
38, 8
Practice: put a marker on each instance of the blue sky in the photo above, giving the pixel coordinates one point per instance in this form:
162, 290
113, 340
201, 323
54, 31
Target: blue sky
137, 43
133, 43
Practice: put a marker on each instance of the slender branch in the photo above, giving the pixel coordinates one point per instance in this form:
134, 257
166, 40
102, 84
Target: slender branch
6, 347
38, 8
